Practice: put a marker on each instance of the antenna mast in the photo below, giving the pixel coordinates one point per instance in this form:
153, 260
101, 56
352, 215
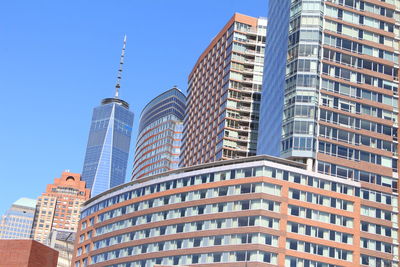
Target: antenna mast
121, 63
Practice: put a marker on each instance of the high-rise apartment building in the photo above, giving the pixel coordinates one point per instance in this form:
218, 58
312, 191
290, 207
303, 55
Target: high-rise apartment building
59, 207
258, 211
17, 222
339, 92
223, 94
159, 139
330, 100
109, 142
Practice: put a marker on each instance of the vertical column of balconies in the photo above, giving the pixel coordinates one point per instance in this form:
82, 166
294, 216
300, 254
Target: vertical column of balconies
238, 132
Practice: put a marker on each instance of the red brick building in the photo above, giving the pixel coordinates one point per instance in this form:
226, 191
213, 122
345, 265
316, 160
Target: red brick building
26, 253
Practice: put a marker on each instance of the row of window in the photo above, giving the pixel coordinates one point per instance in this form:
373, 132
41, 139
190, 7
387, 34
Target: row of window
357, 108
321, 250
192, 211
361, 34
299, 111
299, 143
165, 138
221, 176
359, 93
378, 213
369, 7
355, 123
356, 155
321, 216
379, 246
378, 229
321, 200
194, 195
356, 139
298, 127
376, 261
163, 108
358, 175
299, 262
258, 238
355, 18
143, 146
357, 62
355, 77
187, 243
191, 226
319, 232
216, 257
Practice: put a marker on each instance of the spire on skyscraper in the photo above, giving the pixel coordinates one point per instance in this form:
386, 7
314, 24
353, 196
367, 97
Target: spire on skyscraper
121, 63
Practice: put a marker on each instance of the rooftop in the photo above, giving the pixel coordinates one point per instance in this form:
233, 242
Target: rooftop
215, 164
25, 202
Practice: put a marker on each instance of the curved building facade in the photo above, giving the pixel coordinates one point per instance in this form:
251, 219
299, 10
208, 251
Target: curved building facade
160, 134
223, 95
258, 211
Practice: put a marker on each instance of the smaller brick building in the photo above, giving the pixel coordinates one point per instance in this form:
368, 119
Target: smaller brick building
26, 253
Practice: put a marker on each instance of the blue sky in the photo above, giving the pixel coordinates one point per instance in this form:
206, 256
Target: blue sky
60, 58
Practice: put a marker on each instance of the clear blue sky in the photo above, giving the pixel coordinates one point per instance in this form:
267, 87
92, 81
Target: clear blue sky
58, 59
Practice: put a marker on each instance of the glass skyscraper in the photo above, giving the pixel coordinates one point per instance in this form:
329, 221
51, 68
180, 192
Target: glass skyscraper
108, 145
17, 222
160, 134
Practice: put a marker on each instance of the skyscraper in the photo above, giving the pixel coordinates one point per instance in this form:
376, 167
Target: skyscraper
223, 94
339, 92
17, 222
331, 90
159, 139
109, 141
59, 206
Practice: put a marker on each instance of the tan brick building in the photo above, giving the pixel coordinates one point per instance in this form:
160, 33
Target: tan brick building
59, 206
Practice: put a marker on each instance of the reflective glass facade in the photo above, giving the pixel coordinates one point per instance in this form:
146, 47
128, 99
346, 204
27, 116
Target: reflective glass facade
224, 92
108, 146
257, 211
159, 139
340, 96
17, 222
273, 80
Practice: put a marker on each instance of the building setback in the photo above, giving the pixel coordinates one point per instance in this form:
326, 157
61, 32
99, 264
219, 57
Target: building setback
59, 207
221, 120
159, 139
256, 211
17, 222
